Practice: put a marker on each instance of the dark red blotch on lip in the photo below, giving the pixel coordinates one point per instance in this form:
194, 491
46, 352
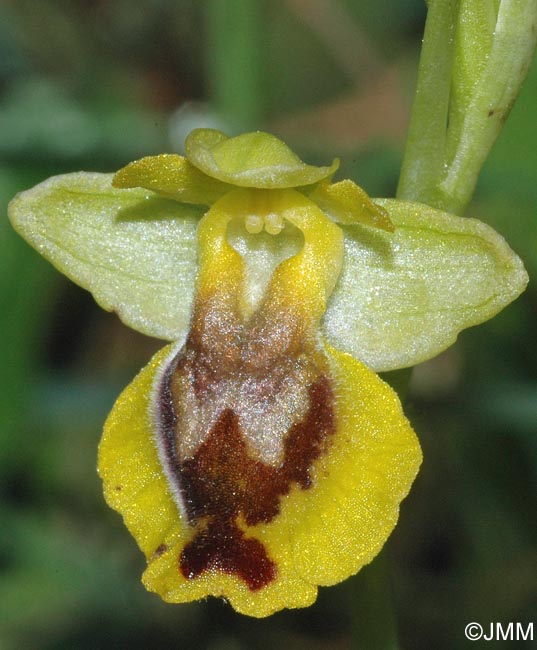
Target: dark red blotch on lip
223, 482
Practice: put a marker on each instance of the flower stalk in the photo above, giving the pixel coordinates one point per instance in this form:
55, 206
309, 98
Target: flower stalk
424, 158
371, 605
234, 60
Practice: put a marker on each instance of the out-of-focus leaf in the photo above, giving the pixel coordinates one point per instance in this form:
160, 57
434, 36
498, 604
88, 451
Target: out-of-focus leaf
25, 286
38, 119
57, 576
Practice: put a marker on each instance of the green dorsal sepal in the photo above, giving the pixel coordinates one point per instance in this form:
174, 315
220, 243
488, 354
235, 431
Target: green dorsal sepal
251, 160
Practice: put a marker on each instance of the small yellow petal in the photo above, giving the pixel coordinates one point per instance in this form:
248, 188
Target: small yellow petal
346, 202
172, 176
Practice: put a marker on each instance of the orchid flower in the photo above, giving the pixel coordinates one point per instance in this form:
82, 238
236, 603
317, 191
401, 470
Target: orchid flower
259, 455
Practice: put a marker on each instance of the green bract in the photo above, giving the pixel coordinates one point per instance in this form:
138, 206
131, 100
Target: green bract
475, 56
412, 278
494, 46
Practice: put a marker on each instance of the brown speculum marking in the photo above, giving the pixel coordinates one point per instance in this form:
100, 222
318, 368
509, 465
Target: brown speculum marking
244, 415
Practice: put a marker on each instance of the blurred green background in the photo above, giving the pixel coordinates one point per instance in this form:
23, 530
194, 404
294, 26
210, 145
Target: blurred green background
93, 84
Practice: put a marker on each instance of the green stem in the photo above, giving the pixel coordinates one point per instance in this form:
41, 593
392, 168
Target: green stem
371, 606
234, 35
423, 163
374, 625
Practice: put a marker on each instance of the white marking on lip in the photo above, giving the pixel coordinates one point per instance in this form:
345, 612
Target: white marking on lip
155, 413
